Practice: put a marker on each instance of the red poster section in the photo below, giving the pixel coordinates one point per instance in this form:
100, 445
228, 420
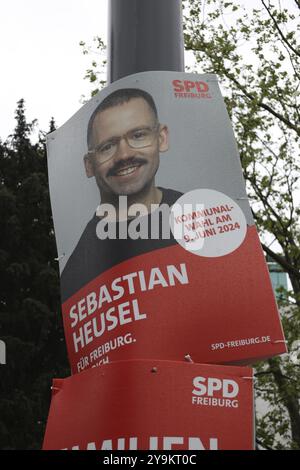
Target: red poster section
169, 303
153, 405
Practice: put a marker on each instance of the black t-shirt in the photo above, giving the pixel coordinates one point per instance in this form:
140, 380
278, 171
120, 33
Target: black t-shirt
92, 256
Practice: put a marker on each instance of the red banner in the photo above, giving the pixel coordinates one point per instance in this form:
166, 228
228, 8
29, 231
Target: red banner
153, 405
146, 308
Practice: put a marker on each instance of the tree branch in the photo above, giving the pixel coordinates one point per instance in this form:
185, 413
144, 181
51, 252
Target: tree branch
289, 399
284, 39
281, 260
266, 107
250, 96
261, 444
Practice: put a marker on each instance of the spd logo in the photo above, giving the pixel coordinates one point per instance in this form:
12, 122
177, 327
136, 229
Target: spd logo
190, 89
210, 391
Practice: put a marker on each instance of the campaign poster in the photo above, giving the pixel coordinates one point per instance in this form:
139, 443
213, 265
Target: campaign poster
152, 405
158, 252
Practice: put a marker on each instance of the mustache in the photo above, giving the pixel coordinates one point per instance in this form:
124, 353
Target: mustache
133, 161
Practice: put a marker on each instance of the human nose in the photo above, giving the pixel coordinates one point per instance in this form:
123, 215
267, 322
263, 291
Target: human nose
123, 150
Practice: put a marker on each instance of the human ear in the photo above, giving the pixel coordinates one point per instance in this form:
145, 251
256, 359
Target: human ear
89, 167
163, 138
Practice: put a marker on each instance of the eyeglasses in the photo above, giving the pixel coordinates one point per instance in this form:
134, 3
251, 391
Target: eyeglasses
136, 138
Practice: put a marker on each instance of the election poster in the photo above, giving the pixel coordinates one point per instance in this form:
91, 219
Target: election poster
152, 405
158, 251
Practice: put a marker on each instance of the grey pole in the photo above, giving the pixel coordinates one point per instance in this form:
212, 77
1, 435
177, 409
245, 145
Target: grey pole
144, 35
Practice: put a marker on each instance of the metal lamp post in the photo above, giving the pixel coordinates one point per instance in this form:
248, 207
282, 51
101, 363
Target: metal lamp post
144, 35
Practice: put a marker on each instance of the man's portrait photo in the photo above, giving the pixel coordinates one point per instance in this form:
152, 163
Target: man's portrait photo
125, 140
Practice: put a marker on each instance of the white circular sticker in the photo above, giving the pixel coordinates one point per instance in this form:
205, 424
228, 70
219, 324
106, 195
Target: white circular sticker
208, 223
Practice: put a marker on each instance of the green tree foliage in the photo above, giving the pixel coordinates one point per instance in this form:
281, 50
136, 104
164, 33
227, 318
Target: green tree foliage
97, 71
255, 53
30, 317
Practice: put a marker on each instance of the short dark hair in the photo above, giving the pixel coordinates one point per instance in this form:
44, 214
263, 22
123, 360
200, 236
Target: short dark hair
115, 99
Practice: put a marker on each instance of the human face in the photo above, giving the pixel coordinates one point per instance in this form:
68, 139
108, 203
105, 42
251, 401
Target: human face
130, 170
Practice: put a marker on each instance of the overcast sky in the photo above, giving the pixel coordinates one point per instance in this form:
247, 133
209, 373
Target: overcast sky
41, 60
